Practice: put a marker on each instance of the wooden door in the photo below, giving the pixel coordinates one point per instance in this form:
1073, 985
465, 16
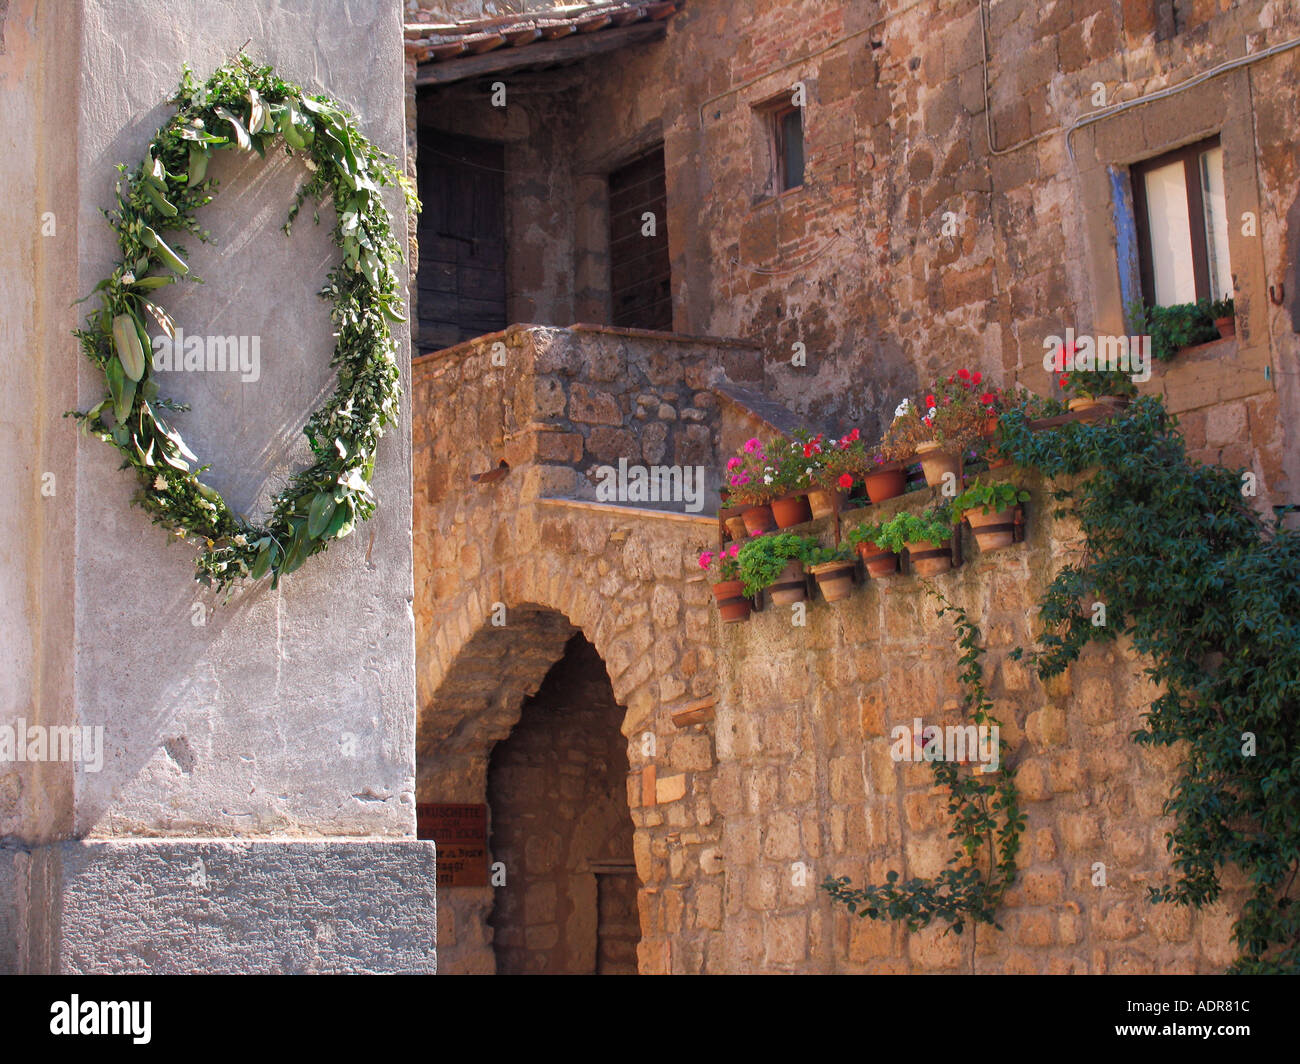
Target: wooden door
462, 274
640, 276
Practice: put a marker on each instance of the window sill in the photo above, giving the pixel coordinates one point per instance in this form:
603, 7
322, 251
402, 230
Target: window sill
780, 197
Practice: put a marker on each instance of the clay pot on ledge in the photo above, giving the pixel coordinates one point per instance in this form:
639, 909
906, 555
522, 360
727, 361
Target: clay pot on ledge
758, 519
930, 559
789, 587
937, 463
1227, 327
993, 456
824, 503
993, 530
887, 481
732, 603
736, 528
791, 510
834, 579
1091, 402
877, 561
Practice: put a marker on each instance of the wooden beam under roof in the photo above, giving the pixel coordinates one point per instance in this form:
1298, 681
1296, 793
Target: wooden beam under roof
542, 53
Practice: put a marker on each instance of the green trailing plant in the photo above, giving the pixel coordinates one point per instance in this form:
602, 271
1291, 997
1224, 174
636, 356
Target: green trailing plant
988, 498
1209, 595
931, 526
987, 825
1175, 327
243, 107
762, 558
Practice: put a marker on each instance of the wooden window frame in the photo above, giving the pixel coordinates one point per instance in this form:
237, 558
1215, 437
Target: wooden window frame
1190, 156
777, 116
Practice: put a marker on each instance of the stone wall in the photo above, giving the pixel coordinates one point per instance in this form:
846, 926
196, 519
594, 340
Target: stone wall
939, 224
741, 811
276, 713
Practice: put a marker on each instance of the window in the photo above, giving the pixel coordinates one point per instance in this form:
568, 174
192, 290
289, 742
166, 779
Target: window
1182, 225
640, 273
787, 147
778, 146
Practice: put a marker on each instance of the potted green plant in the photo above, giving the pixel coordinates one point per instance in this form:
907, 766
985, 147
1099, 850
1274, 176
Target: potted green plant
943, 426
878, 560
833, 569
728, 589
838, 463
748, 485
926, 537
1224, 313
792, 467
1179, 325
774, 563
1088, 388
990, 510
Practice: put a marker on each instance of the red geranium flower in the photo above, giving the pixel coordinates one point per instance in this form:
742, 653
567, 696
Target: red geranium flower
977, 378
988, 398
929, 401
964, 374
845, 481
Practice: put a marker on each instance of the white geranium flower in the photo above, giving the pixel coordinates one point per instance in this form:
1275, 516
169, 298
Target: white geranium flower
241, 540
159, 484
903, 408
767, 479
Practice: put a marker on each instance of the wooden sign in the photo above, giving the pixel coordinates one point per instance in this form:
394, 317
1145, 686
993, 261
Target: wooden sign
460, 832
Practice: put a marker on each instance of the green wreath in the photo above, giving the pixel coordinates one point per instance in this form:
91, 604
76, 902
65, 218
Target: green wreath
247, 107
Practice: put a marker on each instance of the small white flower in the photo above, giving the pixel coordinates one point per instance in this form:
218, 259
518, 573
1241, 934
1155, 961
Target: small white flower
241, 540
310, 165
932, 412
903, 408
767, 479
159, 484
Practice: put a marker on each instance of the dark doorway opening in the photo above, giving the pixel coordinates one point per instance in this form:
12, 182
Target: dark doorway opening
557, 789
640, 274
461, 282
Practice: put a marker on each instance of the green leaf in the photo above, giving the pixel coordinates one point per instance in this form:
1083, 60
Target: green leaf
241, 134
318, 518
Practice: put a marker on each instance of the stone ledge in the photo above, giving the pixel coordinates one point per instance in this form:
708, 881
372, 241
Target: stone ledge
616, 510
223, 906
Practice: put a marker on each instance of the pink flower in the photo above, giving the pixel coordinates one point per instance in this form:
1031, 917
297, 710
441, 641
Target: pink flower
737, 479
706, 559
734, 463
752, 445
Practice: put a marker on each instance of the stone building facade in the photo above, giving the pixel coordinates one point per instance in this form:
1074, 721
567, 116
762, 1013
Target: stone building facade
966, 193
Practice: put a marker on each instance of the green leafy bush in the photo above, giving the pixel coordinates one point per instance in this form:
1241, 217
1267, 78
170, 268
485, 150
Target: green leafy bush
823, 555
1182, 325
932, 526
762, 558
990, 498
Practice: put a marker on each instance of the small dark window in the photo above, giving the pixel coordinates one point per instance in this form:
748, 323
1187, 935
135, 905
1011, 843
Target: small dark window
1182, 225
787, 132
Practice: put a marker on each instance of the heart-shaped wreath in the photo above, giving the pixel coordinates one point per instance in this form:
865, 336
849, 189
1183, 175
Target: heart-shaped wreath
249, 108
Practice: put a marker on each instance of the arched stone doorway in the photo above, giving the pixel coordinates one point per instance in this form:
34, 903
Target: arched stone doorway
560, 825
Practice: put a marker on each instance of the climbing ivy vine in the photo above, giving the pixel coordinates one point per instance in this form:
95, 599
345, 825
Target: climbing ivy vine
987, 823
1209, 594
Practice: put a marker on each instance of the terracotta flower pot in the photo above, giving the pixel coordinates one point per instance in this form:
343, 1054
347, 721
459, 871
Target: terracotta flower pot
732, 603
1089, 402
938, 463
835, 579
887, 482
930, 559
878, 562
824, 503
791, 510
994, 529
758, 519
789, 587
736, 528
993, 456
1227, 327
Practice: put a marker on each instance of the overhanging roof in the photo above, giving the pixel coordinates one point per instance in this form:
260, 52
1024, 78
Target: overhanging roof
460, 50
